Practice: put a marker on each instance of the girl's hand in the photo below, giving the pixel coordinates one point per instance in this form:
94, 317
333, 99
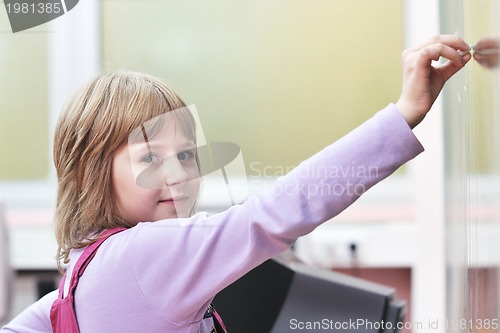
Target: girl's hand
422, 82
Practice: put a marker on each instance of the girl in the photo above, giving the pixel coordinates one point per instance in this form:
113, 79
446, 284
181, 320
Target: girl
121, 132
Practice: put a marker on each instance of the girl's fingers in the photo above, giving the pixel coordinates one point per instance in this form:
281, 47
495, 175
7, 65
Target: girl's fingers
450, 68
434, 52
452, 41
456, 60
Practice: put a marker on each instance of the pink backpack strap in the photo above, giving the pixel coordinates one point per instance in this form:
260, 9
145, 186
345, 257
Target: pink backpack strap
62, 313
219, 324
87, 256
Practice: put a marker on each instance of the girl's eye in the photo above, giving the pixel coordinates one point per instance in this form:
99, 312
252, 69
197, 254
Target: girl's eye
150, 159
186, 155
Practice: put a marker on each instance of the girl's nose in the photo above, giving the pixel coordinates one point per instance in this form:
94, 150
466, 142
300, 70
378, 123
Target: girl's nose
173, 171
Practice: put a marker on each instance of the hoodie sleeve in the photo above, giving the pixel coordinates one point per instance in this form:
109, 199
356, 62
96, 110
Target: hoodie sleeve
35, 319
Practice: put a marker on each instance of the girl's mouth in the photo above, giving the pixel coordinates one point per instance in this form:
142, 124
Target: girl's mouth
175, 200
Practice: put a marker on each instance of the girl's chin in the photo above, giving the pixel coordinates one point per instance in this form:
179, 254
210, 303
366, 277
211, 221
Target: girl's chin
172, 215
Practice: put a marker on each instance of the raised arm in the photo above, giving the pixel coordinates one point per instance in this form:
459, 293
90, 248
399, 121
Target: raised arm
219, 249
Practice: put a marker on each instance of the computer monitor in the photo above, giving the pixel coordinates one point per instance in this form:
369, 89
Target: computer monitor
284, 295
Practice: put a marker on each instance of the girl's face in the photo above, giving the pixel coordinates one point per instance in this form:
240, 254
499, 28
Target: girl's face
157, 179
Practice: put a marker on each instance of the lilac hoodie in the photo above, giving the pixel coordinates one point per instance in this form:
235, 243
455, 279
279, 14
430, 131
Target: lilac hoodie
161, 276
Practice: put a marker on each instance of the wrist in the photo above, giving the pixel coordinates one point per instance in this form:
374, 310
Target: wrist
412, 117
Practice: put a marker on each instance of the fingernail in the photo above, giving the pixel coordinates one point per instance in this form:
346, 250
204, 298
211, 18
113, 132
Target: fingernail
462, 53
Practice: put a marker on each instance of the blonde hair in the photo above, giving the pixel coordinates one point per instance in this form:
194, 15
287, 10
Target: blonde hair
93, 125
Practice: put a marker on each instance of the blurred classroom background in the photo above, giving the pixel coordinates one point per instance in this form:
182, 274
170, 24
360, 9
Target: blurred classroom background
282, 79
